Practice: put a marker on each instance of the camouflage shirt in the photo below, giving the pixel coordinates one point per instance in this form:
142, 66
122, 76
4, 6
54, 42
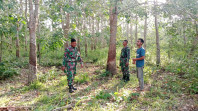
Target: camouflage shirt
125, 56
71, 55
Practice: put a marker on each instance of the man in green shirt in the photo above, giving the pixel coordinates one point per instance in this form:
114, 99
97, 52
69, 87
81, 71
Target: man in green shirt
71, 56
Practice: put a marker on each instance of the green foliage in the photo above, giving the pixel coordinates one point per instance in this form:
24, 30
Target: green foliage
103, 95
7, 71
98, 56
104, 74
56, 40
185, 69
82, 78
50, 75
35, 85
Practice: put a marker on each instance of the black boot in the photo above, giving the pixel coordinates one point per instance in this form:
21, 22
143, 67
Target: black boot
127, 78
70, 89
74, 88
123, 78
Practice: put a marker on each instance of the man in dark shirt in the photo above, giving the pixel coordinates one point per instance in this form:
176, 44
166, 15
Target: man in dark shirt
140, 63
124, 61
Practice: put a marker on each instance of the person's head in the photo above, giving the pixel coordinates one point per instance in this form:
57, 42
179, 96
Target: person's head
125, 42
73, 42
140, 42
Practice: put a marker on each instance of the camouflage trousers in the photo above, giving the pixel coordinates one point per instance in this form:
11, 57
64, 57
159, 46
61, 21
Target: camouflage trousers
71, 71
125, 71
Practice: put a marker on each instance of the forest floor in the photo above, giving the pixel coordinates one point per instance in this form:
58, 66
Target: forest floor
96, 91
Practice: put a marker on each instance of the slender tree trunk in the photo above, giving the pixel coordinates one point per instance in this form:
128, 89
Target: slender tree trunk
66, 29
184, 35
131, 36
145, 32
17, 44
78, 38
127, 26
32, 31
136, 26
1, 48
170, 47
67, 26
85, 38
18, 29
38, 44
157, 40
111, 61
10, 44
93, 31
102, 36
90, 30
97, 30
26, 2
195, 41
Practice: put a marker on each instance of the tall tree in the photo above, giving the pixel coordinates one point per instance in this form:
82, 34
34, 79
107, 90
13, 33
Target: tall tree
33, 21
19, 27
131, 35
1, 46
136, 28
65, 21
157, 36
26, 8
113, 16
145, 31
38, 37
85, 38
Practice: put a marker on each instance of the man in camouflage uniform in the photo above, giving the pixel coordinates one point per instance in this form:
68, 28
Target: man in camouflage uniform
124, 61
71, 56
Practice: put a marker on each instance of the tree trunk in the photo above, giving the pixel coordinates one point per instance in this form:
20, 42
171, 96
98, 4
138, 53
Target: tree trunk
19, 26
97, 30
131, 36
184, 35
85, 38
1, 48
170, 47
66, 29
32, 31
90, 29
145, 32
93, 32
17, 44
195, 41
27, 25
67, 26
136, 26
78, 38
38, 44
127, 25
111, 62
157, 40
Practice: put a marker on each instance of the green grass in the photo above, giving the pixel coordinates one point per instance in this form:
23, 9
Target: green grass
82, 78
169, 87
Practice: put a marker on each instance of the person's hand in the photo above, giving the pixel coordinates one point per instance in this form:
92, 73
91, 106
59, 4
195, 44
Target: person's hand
63, 68
134, 59
127, 64
81, 65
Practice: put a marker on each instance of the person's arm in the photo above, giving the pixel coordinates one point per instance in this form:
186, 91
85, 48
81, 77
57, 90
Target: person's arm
128, 56
65, 56
80, 59
141, 58
142, 55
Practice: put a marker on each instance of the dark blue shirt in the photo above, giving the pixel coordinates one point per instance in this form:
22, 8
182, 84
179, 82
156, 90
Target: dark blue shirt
139, 53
